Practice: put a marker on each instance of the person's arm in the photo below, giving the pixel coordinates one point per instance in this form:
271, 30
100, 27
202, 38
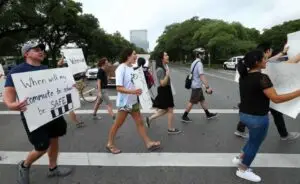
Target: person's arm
295, 59
163, 77
10, 97
203, 79
283, 53
119, 83
271, 93
60, 63
274, 97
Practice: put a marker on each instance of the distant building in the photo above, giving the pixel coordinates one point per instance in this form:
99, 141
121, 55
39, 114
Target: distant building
140, 38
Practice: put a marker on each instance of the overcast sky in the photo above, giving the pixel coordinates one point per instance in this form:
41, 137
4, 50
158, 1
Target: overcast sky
154, 15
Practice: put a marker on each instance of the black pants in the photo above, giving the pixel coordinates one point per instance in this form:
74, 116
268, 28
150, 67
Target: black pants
278, 120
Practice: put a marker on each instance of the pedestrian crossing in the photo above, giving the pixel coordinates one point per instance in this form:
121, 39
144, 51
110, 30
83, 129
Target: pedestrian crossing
156, 159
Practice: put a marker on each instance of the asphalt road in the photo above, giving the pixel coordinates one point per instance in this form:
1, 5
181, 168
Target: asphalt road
201, 154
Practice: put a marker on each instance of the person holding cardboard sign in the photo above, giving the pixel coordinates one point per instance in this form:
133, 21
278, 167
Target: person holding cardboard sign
256, 91
45, 138
127, 103
278, 116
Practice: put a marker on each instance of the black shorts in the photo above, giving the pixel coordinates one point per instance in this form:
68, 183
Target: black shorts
197, 96
40, 138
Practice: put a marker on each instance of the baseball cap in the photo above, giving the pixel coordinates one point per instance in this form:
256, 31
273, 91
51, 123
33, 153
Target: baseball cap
26, 47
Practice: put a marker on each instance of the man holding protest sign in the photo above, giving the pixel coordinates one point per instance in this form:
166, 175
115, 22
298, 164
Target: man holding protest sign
278, 116
45, 138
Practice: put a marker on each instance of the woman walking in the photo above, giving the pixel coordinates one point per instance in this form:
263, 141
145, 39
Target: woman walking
164, 101
127, 103
256, 91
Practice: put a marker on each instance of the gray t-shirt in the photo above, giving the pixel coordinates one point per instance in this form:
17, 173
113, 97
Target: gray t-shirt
160, 73
196, 82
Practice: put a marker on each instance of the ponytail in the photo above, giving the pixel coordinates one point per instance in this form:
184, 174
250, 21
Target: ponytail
242, 68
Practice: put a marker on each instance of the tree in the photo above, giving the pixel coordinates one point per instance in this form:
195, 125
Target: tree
277, 35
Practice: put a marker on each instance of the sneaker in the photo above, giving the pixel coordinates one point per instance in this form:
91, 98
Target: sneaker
23, 174
59, 172
248, 175
237, 160
241, 134
95, 117
186, 119
80, 124
291, 136
174, 131
147, 122
211, 115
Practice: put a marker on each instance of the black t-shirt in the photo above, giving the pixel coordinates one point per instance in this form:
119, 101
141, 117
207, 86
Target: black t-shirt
101, 75
253, 99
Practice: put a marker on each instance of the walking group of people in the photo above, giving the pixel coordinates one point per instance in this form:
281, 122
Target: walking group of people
256, 90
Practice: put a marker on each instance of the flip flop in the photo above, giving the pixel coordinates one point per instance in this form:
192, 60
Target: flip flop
154, 147
111, 148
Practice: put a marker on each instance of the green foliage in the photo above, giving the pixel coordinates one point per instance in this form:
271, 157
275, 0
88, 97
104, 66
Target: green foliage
219, 38
56, 23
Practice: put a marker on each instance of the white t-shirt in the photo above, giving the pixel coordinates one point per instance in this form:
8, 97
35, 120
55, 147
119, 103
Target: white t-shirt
124, 78
196, 82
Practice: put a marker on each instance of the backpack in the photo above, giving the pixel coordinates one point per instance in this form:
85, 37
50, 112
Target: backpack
149, 79
189, 78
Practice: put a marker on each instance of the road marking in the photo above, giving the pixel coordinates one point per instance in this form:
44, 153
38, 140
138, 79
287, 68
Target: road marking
219, 77
212, 75
176, 111
157, 159
94, 97
226, 73
89, 91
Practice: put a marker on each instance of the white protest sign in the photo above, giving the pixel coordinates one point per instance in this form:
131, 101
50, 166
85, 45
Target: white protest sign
75, 59
139, 82
237, 77
294, 44
153, 89
285, 78
2, 82
50, 94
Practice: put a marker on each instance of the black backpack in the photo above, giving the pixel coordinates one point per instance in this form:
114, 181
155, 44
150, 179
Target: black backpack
189, 78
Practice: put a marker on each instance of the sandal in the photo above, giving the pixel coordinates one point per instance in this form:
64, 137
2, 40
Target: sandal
113, 149
80, 124
154, 146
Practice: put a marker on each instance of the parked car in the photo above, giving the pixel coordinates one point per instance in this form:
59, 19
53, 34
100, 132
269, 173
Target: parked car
232, 62
91, 73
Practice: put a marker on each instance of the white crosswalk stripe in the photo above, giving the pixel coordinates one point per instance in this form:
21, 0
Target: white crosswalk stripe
157, 159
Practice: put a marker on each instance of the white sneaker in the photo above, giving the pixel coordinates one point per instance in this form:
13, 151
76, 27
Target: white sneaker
241, 134
248, 175
291, 136
237, 160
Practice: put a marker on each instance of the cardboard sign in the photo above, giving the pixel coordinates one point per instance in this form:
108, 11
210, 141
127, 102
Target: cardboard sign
49, 93
139, 82
75, 59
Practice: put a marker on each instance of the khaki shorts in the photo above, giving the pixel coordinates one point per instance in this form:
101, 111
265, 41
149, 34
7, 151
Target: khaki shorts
197, 96
134, 108
104, 98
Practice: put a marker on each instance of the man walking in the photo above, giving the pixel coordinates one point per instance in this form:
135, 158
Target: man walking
45, 138
197, 93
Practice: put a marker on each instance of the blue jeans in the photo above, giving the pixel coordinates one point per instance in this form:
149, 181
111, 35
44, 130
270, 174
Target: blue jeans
258, 128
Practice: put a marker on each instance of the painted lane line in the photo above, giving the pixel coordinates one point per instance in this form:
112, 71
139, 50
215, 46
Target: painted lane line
176, 111
94, 97
157, 159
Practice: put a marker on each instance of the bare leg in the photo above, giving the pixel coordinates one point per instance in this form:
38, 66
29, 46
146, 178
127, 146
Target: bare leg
32, 157
110, 110
158, 113
53, 152
141, 129
170, 118
121, 116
